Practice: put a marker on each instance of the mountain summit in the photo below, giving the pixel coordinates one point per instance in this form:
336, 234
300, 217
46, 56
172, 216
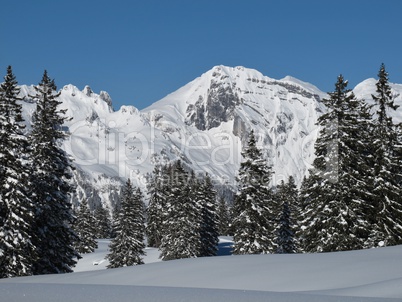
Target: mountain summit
204, 124
225, 103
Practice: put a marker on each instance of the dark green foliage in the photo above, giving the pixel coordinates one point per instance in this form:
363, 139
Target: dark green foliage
128, 246
51, 172
223, 213
156, 207
85, 228
103, 224
17, 252
253, 220
386, 200
181, 238
182, 219
209, 226
287, 199
334, 208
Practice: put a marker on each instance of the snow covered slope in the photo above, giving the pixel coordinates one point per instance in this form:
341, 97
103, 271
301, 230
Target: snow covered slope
211, 117
366, 275
205, 124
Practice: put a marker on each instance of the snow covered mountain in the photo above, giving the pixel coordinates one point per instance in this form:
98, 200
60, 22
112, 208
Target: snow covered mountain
204, 124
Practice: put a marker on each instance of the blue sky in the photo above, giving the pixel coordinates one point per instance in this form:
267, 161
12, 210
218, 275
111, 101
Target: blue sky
140, 51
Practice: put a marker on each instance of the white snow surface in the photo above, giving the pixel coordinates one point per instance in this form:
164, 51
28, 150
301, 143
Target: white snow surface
366, 275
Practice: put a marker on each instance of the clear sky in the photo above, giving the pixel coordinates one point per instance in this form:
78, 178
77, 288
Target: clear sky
140, 51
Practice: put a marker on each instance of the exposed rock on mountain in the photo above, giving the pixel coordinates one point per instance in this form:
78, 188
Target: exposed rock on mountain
204, 124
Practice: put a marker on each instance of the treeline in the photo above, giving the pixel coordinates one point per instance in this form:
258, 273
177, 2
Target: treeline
183, 218
351, 198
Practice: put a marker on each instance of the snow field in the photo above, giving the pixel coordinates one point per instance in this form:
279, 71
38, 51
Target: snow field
367, 275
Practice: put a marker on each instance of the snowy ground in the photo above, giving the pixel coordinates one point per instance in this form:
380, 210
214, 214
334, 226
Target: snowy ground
369, 275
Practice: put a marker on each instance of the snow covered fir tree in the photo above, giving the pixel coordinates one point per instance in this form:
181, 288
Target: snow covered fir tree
334, 209
253, 222
127, 248
352, 198
103, 223
209, 231
50, 186
181, 236
385, 215
17, 250
223, 216
157, 190
182, 213
85, 228
288, 202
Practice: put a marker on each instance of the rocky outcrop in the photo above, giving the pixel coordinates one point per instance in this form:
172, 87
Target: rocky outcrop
218, 107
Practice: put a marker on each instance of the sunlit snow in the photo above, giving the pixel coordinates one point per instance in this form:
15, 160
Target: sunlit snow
367, 275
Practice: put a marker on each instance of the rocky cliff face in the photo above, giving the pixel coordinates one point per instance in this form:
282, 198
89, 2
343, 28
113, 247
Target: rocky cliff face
205, 124
225, 103
219, 105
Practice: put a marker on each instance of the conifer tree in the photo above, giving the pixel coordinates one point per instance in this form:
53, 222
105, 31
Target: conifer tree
287, 199
85, 228
386, 202
181, 238
223, 217
334, 213
128, 246
156, 207
115, 217
209, 226
17, 252
253, 221
51, 172
103, 224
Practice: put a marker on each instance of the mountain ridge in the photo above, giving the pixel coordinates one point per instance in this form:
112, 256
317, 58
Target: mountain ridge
205, 123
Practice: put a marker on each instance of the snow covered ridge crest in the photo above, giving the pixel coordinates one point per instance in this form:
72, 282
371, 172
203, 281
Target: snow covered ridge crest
204, 124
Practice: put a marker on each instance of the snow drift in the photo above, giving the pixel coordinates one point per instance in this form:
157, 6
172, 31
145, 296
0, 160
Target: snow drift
366, 275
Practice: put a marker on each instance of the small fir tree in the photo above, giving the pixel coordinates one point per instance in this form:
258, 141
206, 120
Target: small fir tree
181, 238
287, 198
223, 217
127, 248
85, 228
209, 226
155, 210
103, 224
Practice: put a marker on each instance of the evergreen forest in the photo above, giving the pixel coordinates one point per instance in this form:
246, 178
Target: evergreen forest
351, 197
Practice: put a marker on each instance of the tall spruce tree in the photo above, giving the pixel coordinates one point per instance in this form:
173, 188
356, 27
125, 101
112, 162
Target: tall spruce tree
181, 238
127, 248
253, 221
287, 199
386, 202
209, 225
334, 209
51, 172
17, 252
85, 228
156, 206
